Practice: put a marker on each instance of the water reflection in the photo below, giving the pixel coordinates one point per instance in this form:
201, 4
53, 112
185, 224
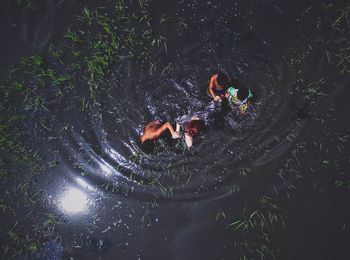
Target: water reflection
73, 201
84, 184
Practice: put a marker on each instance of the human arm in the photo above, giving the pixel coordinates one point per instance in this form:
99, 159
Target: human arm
188, 140
211, 86
174, 134
152, 132
230, 92
177, 129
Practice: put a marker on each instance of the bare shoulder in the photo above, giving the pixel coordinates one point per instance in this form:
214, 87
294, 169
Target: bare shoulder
153, 124
214, 77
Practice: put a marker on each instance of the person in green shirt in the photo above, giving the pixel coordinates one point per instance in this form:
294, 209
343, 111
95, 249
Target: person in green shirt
240, 98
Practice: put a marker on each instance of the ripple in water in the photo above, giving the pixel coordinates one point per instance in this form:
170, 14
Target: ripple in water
103, 145
171, 172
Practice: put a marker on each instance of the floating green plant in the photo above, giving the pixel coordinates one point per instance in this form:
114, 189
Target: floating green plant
343, 183
56, 53
73, 36
255, 231
88, 15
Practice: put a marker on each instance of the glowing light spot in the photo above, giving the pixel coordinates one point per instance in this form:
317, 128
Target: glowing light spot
74, 201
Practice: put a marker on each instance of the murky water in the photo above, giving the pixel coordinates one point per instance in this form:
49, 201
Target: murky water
114, 201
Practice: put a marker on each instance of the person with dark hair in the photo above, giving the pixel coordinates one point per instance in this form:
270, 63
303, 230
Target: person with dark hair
187, 126
218, 85
192, 125
240, 98
155, 129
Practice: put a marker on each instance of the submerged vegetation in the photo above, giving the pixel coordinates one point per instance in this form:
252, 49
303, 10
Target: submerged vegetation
256, 231
100, 48
40, 84
337, 26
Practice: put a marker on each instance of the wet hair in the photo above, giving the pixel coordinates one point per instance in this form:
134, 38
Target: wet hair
194, 127
222, 79
147, 146
235, 83
242, 93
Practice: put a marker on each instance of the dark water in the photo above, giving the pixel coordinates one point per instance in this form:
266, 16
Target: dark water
116, 202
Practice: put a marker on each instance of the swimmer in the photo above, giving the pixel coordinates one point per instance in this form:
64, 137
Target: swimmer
218, 85
187, 126
191, 126
155, 129
240, 98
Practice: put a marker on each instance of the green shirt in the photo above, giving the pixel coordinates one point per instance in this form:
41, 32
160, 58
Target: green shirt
234, 99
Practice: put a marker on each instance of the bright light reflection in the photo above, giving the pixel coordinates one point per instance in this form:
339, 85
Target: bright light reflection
105, 167
84, 184
74, 201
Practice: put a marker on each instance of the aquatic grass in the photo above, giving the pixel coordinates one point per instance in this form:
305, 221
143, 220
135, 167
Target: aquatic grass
244, 171
94, 50
12, 146
314, 90
255, 231
342, 183
343, 63
182, 24
84, 104
103, 51
220, 214
73, 36
82, 169
343, 17
109, 50
56, 53
76, 54
62, 79
336, 22
234, 189
33, 64
28, 244
88, 16
106, 24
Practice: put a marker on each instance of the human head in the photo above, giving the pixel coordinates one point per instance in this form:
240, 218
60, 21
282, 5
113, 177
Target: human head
235, 83
222, 79
194, 127
147, 146
242, 94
